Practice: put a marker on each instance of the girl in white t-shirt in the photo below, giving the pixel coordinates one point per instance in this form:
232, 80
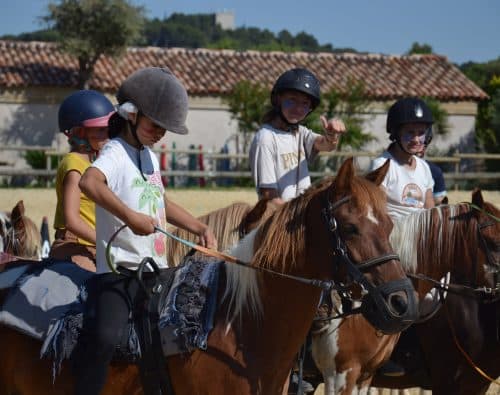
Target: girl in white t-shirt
409, 181
125, 183
282, 148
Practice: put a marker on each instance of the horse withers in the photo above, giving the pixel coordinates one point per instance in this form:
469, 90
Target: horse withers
265, 310
458, 245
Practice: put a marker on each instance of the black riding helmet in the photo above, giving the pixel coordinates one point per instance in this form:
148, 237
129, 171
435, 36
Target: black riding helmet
159, 95
301, 80
407, 110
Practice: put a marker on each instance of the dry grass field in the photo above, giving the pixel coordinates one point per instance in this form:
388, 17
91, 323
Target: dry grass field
42, 202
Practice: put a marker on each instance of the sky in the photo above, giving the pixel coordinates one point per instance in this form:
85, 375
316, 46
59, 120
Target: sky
462, 30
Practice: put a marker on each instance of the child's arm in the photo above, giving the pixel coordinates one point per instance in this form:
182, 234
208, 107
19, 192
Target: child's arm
93, 184
71, 208
178, 216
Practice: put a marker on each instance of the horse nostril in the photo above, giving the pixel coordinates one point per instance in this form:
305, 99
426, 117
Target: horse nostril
398, 303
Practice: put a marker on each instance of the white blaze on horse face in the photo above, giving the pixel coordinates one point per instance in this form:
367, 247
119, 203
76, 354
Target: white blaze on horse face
371, 216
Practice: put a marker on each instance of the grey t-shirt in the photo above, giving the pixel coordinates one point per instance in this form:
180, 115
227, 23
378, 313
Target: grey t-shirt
279, 160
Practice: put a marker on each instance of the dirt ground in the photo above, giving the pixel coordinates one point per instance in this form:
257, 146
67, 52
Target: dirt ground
41, 203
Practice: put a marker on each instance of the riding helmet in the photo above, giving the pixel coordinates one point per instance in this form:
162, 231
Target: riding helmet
408, 110
159, 95
298, 79
84, 108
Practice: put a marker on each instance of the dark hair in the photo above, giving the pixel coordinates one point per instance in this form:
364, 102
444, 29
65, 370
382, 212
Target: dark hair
116, 125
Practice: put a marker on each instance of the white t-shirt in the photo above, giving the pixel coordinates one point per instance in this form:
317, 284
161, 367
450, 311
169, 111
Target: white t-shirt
119, 162
405, 188
274, 160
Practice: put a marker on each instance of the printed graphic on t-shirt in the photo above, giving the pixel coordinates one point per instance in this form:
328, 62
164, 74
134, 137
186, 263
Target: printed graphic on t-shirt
412, 196
151, 197
289, 160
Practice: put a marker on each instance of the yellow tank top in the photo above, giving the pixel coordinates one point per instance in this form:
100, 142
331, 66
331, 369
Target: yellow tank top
70, 162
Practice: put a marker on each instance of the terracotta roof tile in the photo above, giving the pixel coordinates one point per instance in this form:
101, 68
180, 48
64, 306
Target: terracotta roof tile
215, 72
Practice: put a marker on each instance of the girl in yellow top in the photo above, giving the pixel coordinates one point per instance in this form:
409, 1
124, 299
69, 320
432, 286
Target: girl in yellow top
83, 118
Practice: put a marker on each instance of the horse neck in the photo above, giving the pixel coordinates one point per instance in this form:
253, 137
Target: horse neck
440, 240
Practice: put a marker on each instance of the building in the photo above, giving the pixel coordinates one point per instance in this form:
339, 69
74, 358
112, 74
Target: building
36, 76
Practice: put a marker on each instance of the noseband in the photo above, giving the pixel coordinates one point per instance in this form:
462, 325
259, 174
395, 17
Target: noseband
374, 306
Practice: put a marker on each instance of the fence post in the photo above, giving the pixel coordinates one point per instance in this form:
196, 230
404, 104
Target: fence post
201, 166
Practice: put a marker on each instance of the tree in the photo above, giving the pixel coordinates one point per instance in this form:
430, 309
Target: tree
421, 49
91, 28
248, 103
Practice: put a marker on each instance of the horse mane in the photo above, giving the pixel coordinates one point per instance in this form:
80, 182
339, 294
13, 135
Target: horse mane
224, 223
279, 241
436, 237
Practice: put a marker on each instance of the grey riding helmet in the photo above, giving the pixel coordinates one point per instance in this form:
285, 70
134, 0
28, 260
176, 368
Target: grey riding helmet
298, 79
159, 95
407, 110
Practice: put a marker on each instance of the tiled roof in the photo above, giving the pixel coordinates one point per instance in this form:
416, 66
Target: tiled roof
215, 72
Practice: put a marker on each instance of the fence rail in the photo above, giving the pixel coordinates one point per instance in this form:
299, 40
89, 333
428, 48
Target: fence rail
213, 172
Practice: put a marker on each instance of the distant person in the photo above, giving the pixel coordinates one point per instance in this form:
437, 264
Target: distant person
83, 118
408, 182
282, 149
439, 191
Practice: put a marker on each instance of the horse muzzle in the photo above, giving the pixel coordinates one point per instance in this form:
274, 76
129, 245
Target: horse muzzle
391, 307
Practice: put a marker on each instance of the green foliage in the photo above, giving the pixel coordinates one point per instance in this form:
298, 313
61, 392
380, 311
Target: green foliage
487, 77
248, 103
422, 49
441, 126
91, 28
349, 104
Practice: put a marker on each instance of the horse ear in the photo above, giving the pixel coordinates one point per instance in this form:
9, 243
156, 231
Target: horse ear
345, 175
477, 197
17, 212
378, 175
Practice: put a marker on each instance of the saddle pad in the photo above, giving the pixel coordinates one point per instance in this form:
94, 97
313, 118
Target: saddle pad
42, 294
186, 314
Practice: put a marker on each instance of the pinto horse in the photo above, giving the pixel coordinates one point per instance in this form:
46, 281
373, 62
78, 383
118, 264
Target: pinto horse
459, 241
265, 310
19, 236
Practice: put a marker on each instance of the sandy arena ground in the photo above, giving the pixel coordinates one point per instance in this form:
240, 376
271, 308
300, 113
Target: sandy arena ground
42, 202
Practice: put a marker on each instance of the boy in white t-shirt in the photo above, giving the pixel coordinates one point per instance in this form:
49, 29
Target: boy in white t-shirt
409, 181
125, 183
282, 148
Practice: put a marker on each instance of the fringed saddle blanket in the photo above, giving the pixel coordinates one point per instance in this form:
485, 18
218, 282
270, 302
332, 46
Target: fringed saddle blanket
186, 311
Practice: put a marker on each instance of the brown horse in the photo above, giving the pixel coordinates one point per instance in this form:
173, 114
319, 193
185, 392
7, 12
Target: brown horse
20, 237
464, 241
266, 309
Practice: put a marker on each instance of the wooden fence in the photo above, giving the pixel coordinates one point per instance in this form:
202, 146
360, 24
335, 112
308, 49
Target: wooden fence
212, 171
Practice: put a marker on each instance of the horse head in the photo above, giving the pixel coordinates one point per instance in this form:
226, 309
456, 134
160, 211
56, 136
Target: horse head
23, 237
354, 210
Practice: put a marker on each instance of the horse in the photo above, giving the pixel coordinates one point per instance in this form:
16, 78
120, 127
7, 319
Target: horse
459, 242
330, 235
19, 236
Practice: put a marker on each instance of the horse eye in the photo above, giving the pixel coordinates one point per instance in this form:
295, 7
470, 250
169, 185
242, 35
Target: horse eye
349, 230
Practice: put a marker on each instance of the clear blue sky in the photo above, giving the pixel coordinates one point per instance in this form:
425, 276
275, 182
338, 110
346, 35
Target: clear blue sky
462, 30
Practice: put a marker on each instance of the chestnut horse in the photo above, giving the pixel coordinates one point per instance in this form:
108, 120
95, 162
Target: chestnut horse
19, 236
332, 232
464, 241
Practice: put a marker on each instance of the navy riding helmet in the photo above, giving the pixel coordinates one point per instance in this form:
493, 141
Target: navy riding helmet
84, 108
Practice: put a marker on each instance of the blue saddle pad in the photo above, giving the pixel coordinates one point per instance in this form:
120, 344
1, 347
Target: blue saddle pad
40, 293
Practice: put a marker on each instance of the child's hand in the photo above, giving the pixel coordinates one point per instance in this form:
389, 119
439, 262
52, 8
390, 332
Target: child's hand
207, 239
142, 224
333, 129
